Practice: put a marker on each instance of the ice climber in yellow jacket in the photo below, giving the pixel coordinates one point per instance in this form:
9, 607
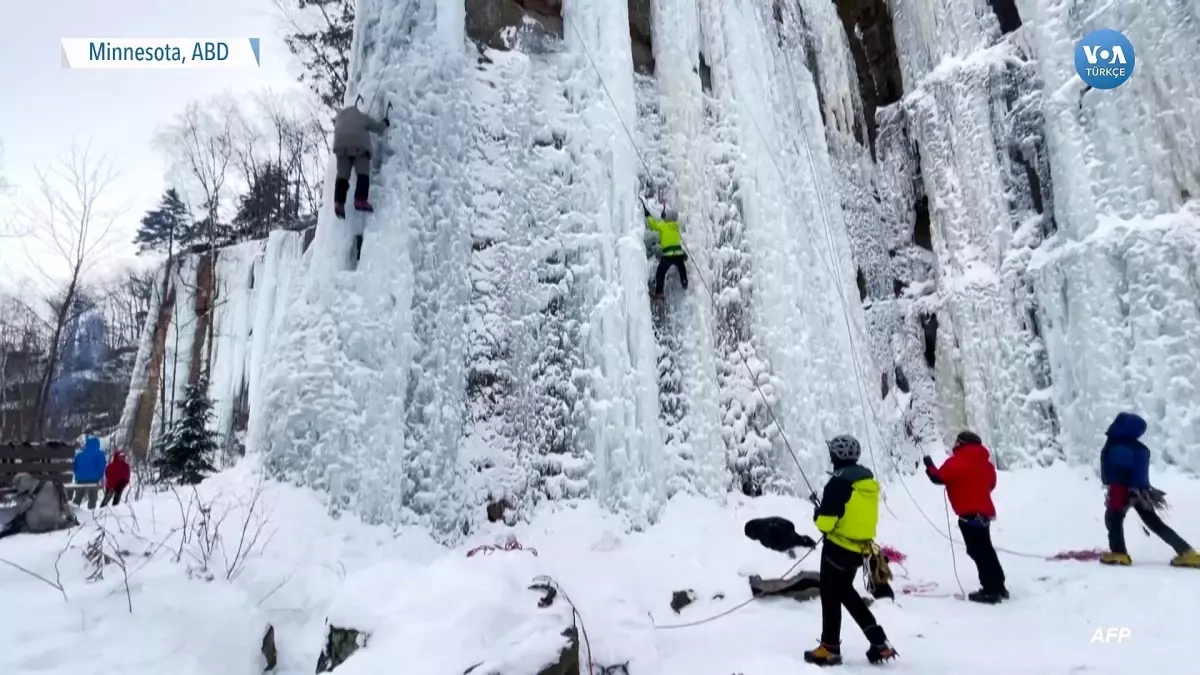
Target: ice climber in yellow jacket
670, 248
847, 515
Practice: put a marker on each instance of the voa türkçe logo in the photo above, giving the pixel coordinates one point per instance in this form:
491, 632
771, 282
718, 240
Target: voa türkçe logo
1104, 58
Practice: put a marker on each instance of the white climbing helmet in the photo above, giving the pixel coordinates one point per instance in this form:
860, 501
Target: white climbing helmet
670, 214
845, 448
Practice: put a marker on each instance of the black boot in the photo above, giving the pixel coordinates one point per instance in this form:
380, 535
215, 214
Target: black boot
881, 650
340, 187
985, 597
361, 188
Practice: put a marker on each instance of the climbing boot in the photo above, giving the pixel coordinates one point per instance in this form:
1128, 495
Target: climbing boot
1111, 558
339, 210
1186, 559
881, 653
363, 205
824, 655
985, 597
881, 650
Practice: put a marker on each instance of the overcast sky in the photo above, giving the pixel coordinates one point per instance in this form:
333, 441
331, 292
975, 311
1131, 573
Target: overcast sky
43, 106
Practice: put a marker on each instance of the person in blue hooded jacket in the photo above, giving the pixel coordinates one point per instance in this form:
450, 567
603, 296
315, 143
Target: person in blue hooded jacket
89, 468
1125, 471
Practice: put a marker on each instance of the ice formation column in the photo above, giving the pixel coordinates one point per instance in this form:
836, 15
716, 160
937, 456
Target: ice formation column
624, 417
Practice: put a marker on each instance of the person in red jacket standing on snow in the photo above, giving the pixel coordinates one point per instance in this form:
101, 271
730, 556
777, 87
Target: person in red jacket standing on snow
970, 477
116, 479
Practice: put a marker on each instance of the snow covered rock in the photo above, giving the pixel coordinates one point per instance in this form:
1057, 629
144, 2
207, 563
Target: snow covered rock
340, 644
476, 615
269, 651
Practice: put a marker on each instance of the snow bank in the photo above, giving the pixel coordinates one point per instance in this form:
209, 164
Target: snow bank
435, 611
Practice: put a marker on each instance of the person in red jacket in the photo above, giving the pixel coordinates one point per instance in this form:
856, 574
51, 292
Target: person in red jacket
116, 479
969, 478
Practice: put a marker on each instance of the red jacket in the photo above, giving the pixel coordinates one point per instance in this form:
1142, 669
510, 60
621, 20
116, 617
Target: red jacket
969, 478
117, 472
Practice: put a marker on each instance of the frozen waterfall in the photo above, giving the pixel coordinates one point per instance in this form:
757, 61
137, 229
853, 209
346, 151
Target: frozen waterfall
903, 218
496, 342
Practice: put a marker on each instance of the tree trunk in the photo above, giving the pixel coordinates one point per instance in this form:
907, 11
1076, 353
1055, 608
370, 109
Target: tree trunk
52, 356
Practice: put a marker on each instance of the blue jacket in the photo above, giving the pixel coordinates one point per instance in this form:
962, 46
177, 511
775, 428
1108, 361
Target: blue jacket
90, 462
1124, 460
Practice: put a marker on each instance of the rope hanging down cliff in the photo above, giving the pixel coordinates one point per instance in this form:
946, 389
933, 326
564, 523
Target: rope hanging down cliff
864, 403
711, 296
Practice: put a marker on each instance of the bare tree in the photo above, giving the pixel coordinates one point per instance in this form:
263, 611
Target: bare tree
281, 152
67, 218
199, 145
321, 33
125, 303
24, 339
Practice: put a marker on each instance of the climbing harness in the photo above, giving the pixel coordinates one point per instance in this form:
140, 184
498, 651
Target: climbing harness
876, 570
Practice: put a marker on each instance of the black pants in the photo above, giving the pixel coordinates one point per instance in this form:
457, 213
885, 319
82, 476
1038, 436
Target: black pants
114, 495
665, 263
839, 567
977, 535
1114, 521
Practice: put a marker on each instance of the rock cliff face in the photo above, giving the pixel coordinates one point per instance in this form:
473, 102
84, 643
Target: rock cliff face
902, 218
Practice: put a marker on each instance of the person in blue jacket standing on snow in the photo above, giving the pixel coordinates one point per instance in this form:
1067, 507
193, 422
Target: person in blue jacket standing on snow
89, 468
1125, 470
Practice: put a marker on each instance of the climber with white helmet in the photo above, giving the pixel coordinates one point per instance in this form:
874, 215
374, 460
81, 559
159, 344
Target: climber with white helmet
670, 248
847, 515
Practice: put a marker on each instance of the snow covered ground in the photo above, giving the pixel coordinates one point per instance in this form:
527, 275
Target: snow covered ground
436, 611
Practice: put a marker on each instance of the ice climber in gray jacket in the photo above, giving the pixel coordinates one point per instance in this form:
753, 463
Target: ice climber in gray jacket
352, 130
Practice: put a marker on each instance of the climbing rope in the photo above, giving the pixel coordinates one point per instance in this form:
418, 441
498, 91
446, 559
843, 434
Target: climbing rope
708, 289
549, 582
953, 556
863, 400
736, 607
386, 62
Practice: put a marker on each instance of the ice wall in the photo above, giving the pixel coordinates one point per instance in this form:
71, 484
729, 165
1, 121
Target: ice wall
1119, 284
495, 346
903, 219
1064, 243
212, 317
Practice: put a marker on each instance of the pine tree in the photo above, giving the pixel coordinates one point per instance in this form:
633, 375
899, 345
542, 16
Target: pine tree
189, 446
271, 202
166, 227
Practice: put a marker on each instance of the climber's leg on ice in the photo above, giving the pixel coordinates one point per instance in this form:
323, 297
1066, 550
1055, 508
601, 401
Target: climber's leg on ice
680, 263
660, 276
342, 185
362, 167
